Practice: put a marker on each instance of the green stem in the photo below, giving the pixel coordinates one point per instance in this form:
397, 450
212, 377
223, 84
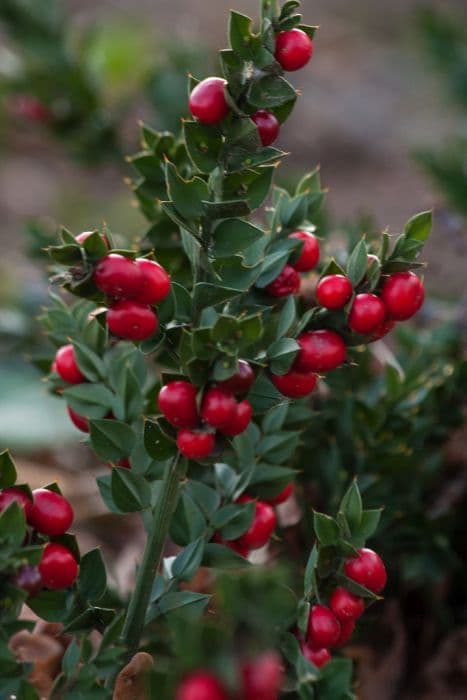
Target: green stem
163, 512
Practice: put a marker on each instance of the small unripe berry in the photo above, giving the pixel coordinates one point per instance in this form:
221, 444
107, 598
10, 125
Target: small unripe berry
201, 685
78, 421
195, 444
268, 126
177, 401
309, 255
294, 49
334, 291
320, 351
367, 569
131, 320
345, 605
118, 276
262, 677
218, 407
263, 525
15, 495
295, 385
241, 382
51, 513
323, 628
367, 314
281, 497
58, 567
66, 365
207, 101
318, 657
286, 283
403, 295
240, 421
155, 285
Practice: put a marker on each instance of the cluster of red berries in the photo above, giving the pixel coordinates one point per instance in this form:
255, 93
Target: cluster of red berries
288, 281
259, 679
333, 625
208, 102
219, 411
47, 513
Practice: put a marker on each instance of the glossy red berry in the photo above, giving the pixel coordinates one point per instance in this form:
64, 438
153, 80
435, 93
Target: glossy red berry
320, 351
268, 126
58, 567
334, 291
367, 314
240, 421
294, 49
155, 284
66, 365
15, 495
367, 569
295, 385
195, 444
385, 328
207, 101
281, 497
403, 295
131, 320
118, 276
345, 605
323, 628
262, 677
218, 407
241, 382
262, 527
347, 630
288, 282
78, 421
177, 402
201, 685
309, 255
318, 657
51, 513
29, 579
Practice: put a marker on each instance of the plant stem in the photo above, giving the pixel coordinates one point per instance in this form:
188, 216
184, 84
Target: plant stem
167, 501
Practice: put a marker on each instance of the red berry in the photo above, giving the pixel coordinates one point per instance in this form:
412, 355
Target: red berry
218, 407
288, 282
295, 385
66, 365
124, 463
132, 321
367, 569
201, 685
195, 444
28, 107
177, 401
281, 497
347, 630
367, 314
403, 295
309, 256
51, 513
207, 101
155, 284
268, 126
29, 579
334, 291
385, 328
15, 495
318, 657
323, 628
118, 276
81, 237
78, 421
231, 544
240, 421
58, 567
345, 605
320, 351
262, 527
241, 381
294, 49
262, 678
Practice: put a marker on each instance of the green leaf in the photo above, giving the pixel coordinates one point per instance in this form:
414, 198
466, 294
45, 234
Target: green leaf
226, 479
203, 144
282, 354
89, 362
358, 263
234, 519
326, 529
50, 605
351, 507
287, 317
309, 582
188, 523
7, 470
13, 525
274, 419
187, 563
216, 556
187, 195
205, 497
130, 491
234, 236
90, 400
369, 523
111, 440
66, 254
419, 226
242, 41
71, 658
271, 91
184, 600
92, 618
263, 394
92, 581
95, 246
251, 185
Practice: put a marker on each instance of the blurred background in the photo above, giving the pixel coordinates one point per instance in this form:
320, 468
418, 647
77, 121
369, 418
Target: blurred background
384, 111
